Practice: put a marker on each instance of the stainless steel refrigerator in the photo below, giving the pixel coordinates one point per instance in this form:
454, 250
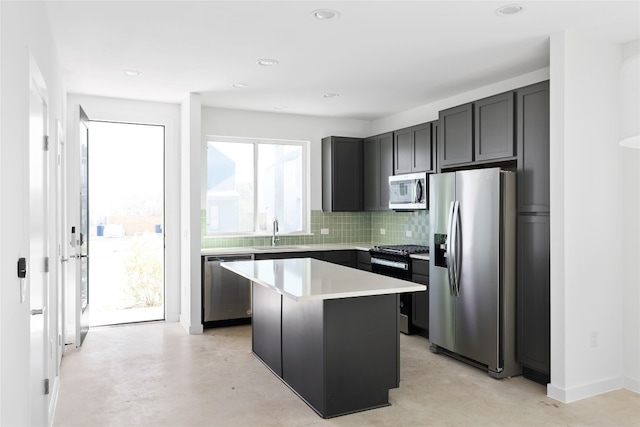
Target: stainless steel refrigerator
472, 268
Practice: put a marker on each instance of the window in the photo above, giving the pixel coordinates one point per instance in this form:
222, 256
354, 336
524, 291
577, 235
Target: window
251, 182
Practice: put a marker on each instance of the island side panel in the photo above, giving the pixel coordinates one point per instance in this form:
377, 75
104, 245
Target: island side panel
266, 336
303, 350
362, 352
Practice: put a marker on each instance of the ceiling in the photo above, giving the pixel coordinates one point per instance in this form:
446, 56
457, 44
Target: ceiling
381, 57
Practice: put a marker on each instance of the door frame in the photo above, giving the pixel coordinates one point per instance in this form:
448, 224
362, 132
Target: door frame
82, 259
40, 397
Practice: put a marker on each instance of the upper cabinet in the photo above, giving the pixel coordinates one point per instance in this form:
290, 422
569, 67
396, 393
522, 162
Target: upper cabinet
342, 174
482, 131
455, 142
378, 166
533, 148
414, 150
494, 130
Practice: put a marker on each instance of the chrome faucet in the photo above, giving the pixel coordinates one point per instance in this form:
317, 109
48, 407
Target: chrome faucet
275, 238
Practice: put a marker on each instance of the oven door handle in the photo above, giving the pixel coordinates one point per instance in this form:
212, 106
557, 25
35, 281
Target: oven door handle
387, 263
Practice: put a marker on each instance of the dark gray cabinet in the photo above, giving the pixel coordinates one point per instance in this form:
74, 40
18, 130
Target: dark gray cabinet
342, 174
378, 166
284, 255
413, 150
479, 132
533, 148
343, 257
266, 337
364, 260
533, 317
420, 300
493, 127
455, 139
533, 259
347, 258
339, 355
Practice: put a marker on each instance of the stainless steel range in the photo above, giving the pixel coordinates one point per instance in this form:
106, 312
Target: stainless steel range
395, 261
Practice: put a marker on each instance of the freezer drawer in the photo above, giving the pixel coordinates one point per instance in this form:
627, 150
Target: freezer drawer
225, 295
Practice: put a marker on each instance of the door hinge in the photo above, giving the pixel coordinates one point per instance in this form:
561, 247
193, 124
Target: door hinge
45, 141
46, 386
46, 264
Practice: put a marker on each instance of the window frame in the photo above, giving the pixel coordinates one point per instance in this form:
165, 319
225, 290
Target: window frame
306, 186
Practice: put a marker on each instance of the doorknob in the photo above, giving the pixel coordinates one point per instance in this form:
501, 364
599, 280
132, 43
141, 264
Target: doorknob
38, 311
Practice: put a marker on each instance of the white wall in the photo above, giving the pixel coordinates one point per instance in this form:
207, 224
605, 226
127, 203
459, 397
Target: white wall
630, 224
224, 122
127, 111
191, 154
588, 224
24, 30
429, 112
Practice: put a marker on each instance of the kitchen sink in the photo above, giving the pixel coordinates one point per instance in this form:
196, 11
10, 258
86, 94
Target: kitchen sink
275, 248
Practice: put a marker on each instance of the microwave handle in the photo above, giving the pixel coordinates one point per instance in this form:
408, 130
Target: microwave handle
418, 191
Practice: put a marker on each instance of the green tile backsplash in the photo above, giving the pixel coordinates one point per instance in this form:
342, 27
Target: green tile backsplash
344, 227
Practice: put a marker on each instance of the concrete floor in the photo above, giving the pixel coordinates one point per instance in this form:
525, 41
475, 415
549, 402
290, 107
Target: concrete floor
156, 375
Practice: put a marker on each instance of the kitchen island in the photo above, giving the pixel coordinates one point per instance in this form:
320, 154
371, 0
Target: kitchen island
330, 332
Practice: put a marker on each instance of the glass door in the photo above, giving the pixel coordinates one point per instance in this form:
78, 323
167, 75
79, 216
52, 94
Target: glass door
82, 293
126, 222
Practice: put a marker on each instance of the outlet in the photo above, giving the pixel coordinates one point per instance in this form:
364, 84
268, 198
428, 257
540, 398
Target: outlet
383, 231
594, 339
408, 233
324, 231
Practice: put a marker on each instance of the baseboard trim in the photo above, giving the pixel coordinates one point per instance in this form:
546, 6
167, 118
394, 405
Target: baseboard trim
632, 384
191, 329
573, 394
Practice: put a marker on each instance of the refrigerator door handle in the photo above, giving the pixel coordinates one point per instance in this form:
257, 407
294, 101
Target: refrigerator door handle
451, 249
457, 248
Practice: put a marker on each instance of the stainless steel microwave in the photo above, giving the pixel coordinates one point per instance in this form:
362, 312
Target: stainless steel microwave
408, 191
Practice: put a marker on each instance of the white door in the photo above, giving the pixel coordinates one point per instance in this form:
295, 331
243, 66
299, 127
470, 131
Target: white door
38, 261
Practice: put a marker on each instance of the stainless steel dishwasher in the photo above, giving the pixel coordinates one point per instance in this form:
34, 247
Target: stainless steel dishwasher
226, 297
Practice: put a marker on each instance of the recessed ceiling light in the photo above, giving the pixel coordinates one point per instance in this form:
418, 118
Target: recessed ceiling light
267, 62
509, 10
240, 85
325, 14
331, 95
280, 107
131, 73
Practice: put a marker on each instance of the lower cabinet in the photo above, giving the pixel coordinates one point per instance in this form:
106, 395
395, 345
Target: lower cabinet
339, 355
533, 320
284, 255
364, 260
420, 301
347, 258
266, 335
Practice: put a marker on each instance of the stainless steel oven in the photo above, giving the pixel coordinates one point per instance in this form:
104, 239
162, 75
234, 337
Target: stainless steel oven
395, 261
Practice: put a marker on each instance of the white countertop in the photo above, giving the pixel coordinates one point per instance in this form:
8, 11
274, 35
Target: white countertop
365, 246
311, 279
287, 248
